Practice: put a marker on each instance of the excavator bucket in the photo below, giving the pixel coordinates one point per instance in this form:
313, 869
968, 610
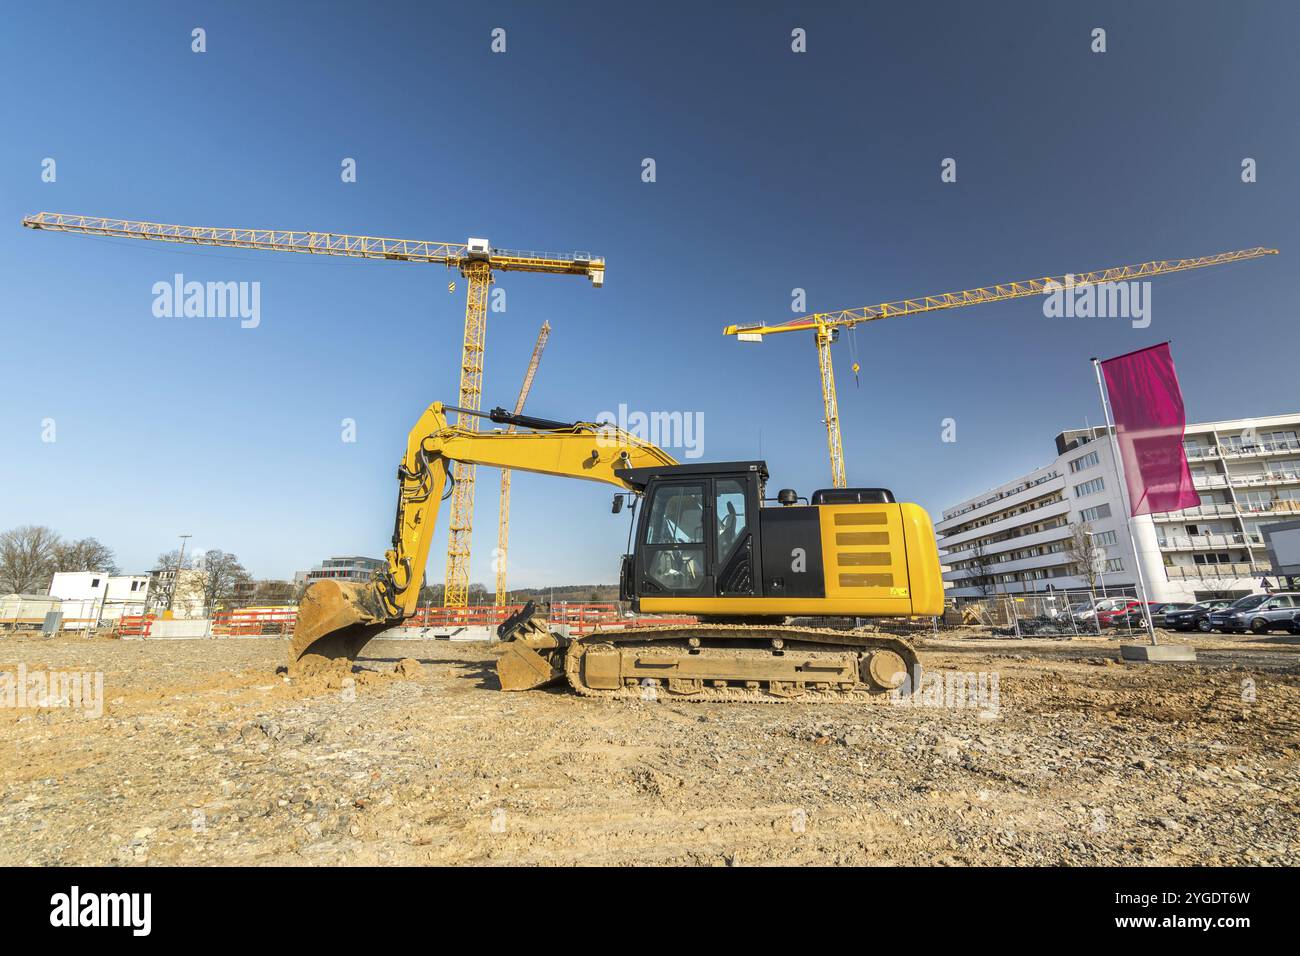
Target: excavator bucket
531, 656
335, 620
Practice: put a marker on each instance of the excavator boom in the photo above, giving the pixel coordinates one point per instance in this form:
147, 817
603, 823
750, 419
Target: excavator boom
336, 619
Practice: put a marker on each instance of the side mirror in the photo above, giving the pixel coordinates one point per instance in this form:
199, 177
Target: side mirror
618, 505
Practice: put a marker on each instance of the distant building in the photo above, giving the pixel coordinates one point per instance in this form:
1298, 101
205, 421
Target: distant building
345, 568
1015, 538
104, 597
188, 584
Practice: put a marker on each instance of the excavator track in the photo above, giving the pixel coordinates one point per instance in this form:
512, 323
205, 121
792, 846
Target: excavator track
726, 663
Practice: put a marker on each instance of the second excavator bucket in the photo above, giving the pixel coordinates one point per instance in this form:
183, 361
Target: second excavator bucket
531, 656
335, 620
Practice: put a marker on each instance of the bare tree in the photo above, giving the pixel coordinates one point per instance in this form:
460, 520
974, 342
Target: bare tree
221, 580
1084, 553
88, 554
27, 559
171, 560
431, 595
981, 566
274, 592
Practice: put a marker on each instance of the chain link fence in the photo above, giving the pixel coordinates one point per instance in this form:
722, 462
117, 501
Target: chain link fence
1053, 614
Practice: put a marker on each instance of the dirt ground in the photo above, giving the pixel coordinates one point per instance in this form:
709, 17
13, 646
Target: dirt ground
203, 754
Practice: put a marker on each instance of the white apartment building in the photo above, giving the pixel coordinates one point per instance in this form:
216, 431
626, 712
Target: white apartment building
88, 595
1015, 538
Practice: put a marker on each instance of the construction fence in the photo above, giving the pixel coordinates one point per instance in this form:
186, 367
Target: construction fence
1051, 614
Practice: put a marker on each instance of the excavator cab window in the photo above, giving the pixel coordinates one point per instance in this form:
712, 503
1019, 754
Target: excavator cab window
674, 538
729, 512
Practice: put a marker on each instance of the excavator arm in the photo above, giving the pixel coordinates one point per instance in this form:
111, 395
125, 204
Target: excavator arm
336, 619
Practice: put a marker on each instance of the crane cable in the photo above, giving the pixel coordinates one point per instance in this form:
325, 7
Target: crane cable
853, 354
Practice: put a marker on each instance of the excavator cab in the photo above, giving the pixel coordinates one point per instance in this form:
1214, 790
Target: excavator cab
695, 533
709, 542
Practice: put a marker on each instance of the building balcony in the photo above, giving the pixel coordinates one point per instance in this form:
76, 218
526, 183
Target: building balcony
1208, 542
1200, 511
965, 553
1010, 501
1216, 572
1259, 448
1054, 510
1265, 478
1210, 481
999, 568
1201, 453
1277, 506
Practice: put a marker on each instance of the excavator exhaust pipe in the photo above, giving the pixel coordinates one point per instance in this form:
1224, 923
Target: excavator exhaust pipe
336, 620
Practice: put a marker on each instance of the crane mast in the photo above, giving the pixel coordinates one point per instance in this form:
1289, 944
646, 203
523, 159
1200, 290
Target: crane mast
826, 325
476, 260
503, 507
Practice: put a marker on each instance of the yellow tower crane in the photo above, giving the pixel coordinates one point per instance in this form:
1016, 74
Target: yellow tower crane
503, 508
826, 326
476, 259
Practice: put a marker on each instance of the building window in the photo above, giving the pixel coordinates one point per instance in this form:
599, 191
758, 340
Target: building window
1095, 513
1087, 461
1105, 537
1089, 487
1115, 564
1218, 557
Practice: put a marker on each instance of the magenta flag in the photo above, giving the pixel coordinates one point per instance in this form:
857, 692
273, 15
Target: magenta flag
1149, 423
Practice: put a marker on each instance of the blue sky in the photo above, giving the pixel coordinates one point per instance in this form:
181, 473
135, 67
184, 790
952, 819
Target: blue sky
775, 170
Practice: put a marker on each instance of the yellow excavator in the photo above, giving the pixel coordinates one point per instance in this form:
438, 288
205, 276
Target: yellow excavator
756, 572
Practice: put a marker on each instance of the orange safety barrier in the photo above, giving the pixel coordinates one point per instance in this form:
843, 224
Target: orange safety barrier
134, 625
255, 622
586, 618
487, 615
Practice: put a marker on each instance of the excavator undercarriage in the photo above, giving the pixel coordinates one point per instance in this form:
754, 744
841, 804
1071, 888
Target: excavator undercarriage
706, 662
735, 662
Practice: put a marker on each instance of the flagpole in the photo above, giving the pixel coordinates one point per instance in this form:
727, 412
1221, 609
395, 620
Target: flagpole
1123, 497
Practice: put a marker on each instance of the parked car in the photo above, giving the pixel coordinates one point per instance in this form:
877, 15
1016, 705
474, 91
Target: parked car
1259, 613
1082, 613
1132, 615
1195, 616
1114, 617
1087, 613
1160, 613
